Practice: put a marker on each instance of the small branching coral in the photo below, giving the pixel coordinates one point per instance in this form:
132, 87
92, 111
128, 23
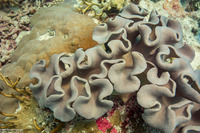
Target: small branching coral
25, 92
192, 5
101, 9
22, 96
9, 3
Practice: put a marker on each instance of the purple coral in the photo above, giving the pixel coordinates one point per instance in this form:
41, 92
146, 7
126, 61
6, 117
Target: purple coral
143, 57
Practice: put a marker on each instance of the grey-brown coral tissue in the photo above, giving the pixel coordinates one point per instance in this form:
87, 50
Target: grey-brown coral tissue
147, 57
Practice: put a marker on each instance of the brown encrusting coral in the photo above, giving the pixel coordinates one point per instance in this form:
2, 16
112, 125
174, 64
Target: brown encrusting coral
147, 57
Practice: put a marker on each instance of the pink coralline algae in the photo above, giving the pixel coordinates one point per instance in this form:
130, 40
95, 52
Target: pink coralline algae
114, 130
145, 58
103, 124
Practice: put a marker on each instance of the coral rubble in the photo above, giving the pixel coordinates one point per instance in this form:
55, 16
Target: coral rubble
174, 8
11, 25
149, 59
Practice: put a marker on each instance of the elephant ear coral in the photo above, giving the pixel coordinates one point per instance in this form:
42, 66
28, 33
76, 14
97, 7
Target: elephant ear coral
147, 58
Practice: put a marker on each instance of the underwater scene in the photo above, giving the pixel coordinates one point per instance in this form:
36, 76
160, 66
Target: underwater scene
99, 66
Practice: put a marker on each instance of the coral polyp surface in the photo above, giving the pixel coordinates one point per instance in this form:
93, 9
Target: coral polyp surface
147, 58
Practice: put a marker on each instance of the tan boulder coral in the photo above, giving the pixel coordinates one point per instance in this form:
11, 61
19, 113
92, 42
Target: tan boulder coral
54, 30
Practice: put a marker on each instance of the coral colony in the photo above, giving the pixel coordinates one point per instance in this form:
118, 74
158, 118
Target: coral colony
146, 58
100, 9
138, 78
